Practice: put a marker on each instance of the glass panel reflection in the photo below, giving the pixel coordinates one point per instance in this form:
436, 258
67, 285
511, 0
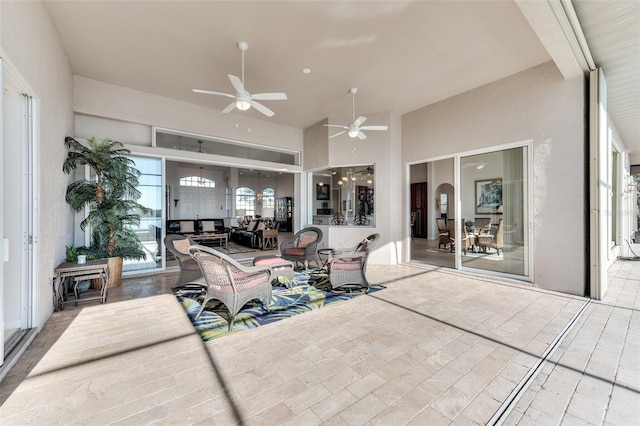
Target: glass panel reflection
344, 196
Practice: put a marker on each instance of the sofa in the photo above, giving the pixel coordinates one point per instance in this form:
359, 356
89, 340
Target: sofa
248, 236
196, 226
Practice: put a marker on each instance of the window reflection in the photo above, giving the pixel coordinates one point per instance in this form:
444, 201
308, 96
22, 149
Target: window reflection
344, 196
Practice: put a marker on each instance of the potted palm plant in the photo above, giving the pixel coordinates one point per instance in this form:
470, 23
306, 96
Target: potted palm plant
111, 196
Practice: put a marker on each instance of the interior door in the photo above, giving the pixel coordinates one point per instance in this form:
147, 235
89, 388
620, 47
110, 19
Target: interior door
419, 206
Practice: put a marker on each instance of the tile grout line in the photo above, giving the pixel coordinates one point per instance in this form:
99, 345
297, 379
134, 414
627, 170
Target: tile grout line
511, 400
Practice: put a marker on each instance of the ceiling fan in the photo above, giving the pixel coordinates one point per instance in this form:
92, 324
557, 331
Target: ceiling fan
355, 128
243, 100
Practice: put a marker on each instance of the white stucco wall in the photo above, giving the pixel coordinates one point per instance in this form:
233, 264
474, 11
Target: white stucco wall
30, 41
123, 105
382, 149
537, 105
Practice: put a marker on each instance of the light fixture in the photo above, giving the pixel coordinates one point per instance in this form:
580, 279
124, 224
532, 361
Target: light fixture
201, 180
353, 132
259, 195
340, 182
369, 181
243, 102
344, 178
321, 183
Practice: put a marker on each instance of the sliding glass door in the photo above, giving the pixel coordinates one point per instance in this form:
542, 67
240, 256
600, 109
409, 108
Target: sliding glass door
477, 214
494, 211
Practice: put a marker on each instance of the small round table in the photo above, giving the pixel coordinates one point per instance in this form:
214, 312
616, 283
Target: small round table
325, 255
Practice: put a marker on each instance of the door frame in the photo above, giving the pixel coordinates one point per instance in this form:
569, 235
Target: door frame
29, 135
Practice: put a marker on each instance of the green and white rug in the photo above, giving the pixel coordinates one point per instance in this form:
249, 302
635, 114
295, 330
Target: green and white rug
306, 293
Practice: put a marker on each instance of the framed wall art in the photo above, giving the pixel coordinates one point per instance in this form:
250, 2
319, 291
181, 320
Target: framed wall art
323, 191
489, 196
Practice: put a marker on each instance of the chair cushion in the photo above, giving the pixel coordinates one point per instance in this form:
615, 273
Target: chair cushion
189, 265
294, 251
182, 245
260, 226
208, 226
345, 265
252, 226
186, 226
305, 240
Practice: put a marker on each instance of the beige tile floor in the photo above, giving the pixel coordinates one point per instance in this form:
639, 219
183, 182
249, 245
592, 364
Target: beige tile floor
434, 347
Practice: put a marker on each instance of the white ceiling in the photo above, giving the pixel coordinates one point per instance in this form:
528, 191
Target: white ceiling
401, 55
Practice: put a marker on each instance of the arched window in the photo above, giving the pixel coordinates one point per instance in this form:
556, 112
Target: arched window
198, 181
268, 198
246, 199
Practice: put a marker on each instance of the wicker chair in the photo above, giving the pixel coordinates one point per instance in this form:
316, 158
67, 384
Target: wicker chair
492, 240
347, 268
303, 247
178, 245
230, 282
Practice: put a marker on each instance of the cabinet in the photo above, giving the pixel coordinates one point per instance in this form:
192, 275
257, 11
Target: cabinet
283, 214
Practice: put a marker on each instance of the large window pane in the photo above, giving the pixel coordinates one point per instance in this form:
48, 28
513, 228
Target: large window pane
149, 230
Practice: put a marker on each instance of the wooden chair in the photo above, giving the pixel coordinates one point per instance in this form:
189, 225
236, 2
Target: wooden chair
229, 282
482, 225
495, 241
465, 241
443, 233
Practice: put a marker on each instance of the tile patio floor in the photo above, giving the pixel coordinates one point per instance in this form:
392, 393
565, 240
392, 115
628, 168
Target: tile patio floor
433, 348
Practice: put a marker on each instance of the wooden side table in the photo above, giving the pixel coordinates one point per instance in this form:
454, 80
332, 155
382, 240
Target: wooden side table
77, 272
269, 239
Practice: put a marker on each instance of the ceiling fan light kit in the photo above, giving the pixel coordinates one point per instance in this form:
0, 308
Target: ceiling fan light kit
243, 100
354, 129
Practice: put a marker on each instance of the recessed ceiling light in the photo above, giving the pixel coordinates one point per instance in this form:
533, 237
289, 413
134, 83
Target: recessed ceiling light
307, 70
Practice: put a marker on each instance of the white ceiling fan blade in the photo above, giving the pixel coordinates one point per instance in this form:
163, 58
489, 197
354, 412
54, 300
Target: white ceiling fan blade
374, 127
230, 107
361, 135
263, 109
209, 92
270, 96
336, 125
237, 83
337, 134
360, 120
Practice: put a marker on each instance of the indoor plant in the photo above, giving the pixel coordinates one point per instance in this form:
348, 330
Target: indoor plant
111, 196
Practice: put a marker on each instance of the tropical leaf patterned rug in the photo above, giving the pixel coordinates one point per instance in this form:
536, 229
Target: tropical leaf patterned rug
305, 293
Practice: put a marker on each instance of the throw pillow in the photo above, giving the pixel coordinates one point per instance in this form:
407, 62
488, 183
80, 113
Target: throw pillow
186, 226
208, 226
305, 240
182, 245
261, 226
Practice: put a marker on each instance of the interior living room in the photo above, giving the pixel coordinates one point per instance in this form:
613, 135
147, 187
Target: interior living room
432, 207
